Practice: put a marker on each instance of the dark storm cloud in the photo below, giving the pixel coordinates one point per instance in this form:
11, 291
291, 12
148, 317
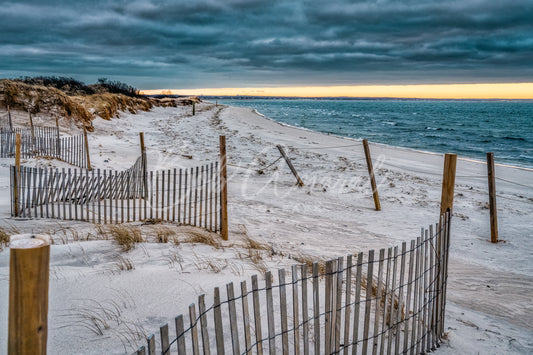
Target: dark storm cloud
155, 44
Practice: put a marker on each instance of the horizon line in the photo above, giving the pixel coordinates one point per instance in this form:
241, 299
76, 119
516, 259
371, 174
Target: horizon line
501, 91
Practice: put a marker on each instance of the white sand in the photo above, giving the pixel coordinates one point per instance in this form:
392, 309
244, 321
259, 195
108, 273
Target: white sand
489, 304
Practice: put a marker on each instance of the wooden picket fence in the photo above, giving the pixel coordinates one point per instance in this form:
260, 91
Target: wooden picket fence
189, 196
44, 141
390, 302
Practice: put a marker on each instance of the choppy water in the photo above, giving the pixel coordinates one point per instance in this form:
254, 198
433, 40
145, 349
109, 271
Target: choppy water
468, 128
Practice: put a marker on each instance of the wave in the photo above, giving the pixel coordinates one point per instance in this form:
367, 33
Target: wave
515, 138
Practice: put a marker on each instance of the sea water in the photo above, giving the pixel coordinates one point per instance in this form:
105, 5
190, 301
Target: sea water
468, 128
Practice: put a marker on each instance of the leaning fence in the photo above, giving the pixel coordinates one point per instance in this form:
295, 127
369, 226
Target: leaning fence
44, 141
188, 196
392, 302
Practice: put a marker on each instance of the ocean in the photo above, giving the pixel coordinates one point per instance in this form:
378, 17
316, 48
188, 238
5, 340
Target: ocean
468, 128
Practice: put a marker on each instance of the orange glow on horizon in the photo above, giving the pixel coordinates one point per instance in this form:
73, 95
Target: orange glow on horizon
446, 91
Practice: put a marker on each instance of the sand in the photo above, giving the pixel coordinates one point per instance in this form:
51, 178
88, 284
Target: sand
488, 312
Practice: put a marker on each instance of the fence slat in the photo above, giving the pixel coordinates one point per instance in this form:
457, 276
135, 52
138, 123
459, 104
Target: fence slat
420, 294
338, 304
368, 299
316, 307
414, 322
305, 310
270, 314
408, 299
386, 305
163, 331
378, 302
283, 311
151, 345
357, 301
194, 330
180, 335
295, 309
347, 301
246, 318
257, 316
203, 325
217, 313
233, 319
426, 295
399, 315
328, 307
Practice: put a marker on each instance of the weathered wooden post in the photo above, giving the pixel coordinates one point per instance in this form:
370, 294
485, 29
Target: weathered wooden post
17, 150
58, 141
144, 164
9, 116
371, 173
31, 125
28, 294
16, 176
289, 163
87, 148
193, 108
492, 199
448, 183
223, 189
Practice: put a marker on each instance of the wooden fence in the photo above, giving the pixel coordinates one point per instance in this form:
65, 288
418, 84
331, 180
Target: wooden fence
188, 196
44, 141
388, 302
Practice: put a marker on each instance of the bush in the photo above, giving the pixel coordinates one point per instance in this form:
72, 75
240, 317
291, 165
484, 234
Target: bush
116, 87
70, 86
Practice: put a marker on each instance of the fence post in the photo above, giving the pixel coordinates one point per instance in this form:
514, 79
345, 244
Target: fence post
371, 173
193, 108
28, 294
223, 190
58, 141
31, 124
16, 176
87, 148
9, 116
144, 163
492, 199
448, 183
289, 163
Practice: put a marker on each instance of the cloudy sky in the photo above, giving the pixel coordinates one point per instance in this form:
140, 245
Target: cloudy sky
235, 43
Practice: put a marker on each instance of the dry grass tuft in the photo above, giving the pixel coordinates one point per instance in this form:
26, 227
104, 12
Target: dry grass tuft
163, 234
309, 260
102, 231
207, 239
126, 236
216, 265
175, 259
250, 243
4, 238
124, 264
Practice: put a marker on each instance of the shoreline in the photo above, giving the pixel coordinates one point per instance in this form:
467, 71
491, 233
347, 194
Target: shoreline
391, 146
510, 162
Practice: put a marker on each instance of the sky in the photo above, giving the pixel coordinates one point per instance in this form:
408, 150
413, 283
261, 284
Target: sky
199, 44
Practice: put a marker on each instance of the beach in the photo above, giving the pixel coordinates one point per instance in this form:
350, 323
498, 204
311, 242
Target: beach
489, 308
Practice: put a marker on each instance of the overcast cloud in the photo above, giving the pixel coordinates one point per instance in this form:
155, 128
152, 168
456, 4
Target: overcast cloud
228, 43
